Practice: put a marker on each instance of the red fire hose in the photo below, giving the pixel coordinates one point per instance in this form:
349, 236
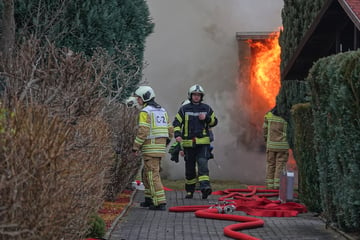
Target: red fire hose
246, 200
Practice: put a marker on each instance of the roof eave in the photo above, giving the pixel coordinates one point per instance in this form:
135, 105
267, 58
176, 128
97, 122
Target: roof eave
353, 16
304, 40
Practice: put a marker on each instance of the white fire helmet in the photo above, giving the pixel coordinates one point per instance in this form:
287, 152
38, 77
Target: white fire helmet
146, 93
196, 89
131, 102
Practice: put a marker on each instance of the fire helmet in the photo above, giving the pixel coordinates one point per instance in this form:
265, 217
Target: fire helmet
146, 93
131, 102
196, 89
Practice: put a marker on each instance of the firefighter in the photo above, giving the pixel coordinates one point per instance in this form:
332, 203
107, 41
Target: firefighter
131, 102
153, 134
277, 147
211, 133
191, 129
176, 148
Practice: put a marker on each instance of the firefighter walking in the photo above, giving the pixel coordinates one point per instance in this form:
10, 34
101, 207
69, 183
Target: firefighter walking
153, 134
277, 147
191, 129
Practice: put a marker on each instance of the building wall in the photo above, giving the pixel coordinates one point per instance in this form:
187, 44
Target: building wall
194, 41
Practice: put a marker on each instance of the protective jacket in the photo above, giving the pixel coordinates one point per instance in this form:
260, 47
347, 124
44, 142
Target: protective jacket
153, 132
188, 125
275, 135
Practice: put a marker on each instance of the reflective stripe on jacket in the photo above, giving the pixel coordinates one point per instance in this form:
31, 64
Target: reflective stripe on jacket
275, 135
159, 122
190, 128
154, 129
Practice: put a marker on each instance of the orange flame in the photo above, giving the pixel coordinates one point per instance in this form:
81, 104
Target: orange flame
261, 88
265, 68
265, 80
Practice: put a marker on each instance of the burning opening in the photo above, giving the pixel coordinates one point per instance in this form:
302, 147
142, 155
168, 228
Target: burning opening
265, 68
259, 81
259, 58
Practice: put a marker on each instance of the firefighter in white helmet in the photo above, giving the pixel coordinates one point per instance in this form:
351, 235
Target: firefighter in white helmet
131, 102
191, 129
153, 134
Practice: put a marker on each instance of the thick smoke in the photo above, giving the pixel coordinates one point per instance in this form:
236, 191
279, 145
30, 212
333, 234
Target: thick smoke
194, 41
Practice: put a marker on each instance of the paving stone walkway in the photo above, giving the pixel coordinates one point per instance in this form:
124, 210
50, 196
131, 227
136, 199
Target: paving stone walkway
140, 224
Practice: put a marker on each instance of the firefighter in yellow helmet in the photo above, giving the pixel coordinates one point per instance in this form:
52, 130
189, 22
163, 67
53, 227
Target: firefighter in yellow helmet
153, 134
191, 129
277, 147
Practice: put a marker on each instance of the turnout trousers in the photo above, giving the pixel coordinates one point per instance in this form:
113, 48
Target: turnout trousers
196, 157
275, 165
152, 180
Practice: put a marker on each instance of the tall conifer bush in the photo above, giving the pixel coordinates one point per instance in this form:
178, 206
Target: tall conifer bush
119, 26
304, 152
297, 16
291, 93
335, 88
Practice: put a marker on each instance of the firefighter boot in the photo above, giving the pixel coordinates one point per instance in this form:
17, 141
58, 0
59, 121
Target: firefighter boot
146, 203
189, 195
161, 207
206, 192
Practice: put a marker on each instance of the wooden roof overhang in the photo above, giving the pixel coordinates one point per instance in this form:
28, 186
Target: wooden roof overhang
334, 30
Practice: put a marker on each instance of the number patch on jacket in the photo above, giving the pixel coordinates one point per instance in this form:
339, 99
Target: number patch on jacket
159, 119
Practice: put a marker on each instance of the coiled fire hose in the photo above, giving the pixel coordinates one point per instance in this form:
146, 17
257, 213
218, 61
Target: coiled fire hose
246, 200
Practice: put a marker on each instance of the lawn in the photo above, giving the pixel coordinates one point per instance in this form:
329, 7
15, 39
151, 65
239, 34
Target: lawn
215, 184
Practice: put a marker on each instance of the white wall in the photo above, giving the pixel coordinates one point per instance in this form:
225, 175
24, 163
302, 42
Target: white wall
194, 41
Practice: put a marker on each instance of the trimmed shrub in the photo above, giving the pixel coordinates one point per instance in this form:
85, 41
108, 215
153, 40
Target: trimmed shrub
57, 165
291, 93
297, 17
84, 26
125, 166
52, 174
304, 153
335, 102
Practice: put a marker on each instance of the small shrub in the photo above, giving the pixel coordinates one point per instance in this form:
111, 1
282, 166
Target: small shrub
97, 227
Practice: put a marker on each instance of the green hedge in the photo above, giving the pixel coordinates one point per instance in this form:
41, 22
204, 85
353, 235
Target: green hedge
335, 87
297, 16
291, 93
304, 153
120, 27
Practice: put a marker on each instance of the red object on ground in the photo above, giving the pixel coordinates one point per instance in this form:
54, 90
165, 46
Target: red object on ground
231, 230
248, 201
167, 189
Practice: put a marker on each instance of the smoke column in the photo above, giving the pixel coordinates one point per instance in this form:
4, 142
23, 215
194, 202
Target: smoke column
194, 41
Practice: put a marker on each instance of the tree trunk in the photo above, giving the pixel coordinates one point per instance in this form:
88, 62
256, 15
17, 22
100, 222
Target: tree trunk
7, 27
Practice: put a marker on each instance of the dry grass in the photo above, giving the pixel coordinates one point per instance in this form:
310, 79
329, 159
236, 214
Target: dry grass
216, 184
